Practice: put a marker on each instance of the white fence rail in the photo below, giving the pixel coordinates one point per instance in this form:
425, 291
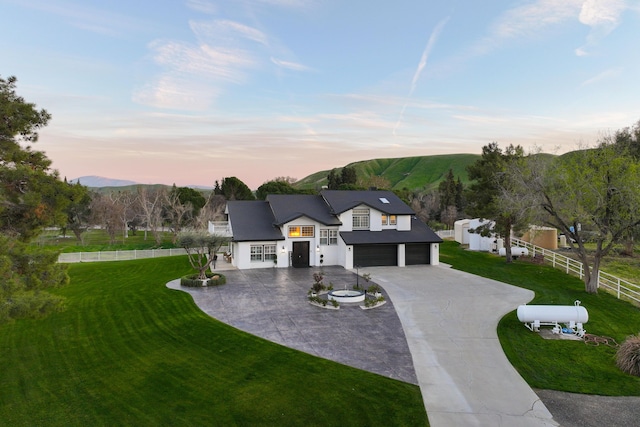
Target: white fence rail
118, 255
446, 234
615, 285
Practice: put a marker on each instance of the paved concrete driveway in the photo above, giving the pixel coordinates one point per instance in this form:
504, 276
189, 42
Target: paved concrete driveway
438, 330
272, 303
449, 318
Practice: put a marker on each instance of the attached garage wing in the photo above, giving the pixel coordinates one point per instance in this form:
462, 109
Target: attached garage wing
375, 255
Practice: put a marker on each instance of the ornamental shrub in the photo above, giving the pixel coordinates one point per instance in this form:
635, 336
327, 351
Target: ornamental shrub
213, 279
628, 356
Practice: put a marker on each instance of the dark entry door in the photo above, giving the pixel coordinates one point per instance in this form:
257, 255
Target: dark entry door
300, 255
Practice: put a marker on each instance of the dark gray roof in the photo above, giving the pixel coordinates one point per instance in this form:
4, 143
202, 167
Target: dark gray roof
341, 201
252, 221
287, 207
420, 233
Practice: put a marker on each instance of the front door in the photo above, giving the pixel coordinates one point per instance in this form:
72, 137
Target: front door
300, 254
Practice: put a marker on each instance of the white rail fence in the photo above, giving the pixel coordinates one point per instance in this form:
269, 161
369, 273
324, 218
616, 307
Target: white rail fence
72, 257
619, 287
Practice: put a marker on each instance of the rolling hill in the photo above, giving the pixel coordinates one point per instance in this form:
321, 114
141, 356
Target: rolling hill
413, 173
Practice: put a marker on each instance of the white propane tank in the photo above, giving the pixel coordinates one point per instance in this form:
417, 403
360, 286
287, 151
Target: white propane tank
552, 313
515, 251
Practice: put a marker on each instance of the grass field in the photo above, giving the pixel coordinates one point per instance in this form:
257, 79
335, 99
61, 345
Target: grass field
552, 364
129, 351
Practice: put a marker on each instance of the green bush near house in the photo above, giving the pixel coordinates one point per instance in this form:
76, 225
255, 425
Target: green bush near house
571, 366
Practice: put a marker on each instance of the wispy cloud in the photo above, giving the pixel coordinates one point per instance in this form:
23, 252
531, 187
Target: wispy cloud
602, 16
203, 6
225, 31
527, 21
87, 18
194, 74
421, 65
605, 75
532, 20
290, 65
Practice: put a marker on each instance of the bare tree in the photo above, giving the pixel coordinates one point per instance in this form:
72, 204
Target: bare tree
177, 214
105, 212
150, 204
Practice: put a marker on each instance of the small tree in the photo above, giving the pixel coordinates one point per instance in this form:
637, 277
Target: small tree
201, 249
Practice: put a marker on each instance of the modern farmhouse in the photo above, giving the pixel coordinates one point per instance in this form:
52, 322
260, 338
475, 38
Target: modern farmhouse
346, 228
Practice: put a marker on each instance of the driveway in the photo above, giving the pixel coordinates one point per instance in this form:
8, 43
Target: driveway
437, 330
449, 318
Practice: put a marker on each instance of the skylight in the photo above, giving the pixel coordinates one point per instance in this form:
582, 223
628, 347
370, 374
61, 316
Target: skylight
384, 200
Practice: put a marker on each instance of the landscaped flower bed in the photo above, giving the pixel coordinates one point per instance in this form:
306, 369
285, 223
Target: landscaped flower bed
213, 279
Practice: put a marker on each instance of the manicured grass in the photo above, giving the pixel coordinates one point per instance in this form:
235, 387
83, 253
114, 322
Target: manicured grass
129, 351
552, 364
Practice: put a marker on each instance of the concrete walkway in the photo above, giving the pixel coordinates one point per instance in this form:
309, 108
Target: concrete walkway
450, 319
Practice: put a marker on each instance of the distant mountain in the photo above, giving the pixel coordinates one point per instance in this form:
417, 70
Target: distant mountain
99, 181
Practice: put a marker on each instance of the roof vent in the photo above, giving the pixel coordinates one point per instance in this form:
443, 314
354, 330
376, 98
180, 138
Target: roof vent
384, 200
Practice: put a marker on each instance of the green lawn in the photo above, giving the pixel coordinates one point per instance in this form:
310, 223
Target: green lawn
129, 351
549, 364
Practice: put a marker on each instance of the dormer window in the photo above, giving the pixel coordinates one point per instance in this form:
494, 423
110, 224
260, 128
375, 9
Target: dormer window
389, 219
360, 219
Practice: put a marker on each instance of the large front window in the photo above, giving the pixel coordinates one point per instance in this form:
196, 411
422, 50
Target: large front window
328, 237
301, 231
261, 253
361, 219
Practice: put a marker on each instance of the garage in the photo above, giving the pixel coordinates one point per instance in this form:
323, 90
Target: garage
417, 253
375, 255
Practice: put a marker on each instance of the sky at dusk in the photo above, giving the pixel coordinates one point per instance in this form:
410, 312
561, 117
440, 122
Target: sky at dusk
191, 91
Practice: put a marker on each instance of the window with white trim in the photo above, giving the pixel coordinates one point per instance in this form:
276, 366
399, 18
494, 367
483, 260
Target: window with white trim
301, 231
328, 237
360, 219
389, 219
256, 252
270, 253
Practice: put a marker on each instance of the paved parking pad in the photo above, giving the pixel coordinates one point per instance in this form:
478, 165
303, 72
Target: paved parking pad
272, 304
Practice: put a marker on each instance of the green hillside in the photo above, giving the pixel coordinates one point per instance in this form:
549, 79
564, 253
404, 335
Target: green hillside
414, 173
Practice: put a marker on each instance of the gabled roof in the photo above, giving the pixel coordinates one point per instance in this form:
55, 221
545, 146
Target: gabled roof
381, 200
252, 221
287, 207
419, 233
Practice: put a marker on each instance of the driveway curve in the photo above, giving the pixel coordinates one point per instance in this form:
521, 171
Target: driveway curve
449, 319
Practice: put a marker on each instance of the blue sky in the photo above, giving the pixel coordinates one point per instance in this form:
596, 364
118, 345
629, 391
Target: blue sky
192, 91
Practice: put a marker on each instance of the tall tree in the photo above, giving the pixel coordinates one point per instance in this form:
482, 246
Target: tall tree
31, 197
484, 196
274, 187
107, 212
590, 195
234, 189
177, 214
78, 211
150, 207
